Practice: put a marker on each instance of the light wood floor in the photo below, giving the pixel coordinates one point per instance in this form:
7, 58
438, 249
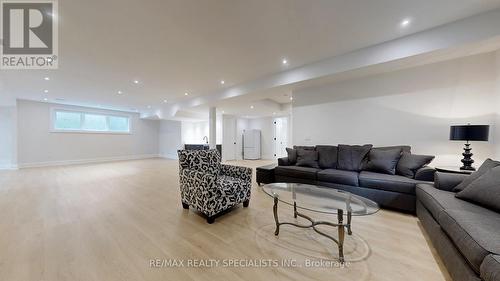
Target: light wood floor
107, 221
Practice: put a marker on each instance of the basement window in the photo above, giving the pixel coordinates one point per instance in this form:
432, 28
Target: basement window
89, 122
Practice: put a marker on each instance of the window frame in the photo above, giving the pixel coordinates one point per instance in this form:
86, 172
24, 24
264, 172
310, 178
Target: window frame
82, 113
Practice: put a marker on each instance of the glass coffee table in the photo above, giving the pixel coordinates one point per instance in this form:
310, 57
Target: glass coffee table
320, 200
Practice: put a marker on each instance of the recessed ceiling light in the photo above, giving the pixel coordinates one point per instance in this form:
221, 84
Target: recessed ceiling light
45, 91
120, 92
251, 106
405, 22
186, 94
291, 98
284, 61
45, 99
136, 81
46, 78
222, 82
165, 101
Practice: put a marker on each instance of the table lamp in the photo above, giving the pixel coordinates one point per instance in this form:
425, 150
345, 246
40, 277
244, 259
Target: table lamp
469, 133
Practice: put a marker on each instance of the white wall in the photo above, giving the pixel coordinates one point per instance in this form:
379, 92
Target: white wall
170, 138
497, 124
8, 137
194, 131
37, 146
414, 106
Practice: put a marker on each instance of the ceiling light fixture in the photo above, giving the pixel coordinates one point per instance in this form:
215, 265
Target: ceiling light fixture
165, 101
186, 94
45, 99
222, 82
136, 81
291, 98
46, 78
284, 61
120, 92
405, 22
45, 91
251, 106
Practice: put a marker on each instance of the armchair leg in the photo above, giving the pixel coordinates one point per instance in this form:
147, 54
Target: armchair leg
246, 203
185, 206
210, 220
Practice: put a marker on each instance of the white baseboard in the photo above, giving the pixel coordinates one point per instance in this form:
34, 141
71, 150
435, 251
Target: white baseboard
8, 167
169, 156
87, 161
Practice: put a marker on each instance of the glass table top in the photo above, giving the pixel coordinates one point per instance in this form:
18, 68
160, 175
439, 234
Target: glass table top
321, 199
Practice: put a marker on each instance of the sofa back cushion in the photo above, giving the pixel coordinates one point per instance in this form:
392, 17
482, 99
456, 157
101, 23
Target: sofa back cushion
402, 148
383, 160
484, 191
307, 158
485, 167
350, 157
409, 164
327, 156
205, 161
292, 155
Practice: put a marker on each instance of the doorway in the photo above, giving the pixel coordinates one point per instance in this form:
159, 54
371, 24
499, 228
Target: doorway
280, 125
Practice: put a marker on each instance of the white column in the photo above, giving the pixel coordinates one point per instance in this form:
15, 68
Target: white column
212, 130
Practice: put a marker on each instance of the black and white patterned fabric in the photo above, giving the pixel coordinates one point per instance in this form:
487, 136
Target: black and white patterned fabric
208, 185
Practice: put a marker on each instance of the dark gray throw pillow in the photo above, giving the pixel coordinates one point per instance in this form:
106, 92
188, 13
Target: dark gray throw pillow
292, 155
307, 158
484, 191
350, 157
408, 164
327, 156
485, 167
383, 160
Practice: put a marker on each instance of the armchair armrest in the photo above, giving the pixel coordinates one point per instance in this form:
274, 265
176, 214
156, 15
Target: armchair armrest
447, 181
283, 161
239, 172
425, 173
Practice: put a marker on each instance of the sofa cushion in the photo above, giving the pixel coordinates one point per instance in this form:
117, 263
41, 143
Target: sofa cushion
307, 158
296, 172
339, 176
436, 200
490, 268
383, 160
485, 167
409, 164
476, 233
350, 157
387, 182
402, 148
485, 190
292, 155
327, 156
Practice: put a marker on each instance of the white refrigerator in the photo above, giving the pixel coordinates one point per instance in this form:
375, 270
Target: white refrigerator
251, 144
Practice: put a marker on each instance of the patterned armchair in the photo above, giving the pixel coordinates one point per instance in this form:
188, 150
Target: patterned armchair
209, 186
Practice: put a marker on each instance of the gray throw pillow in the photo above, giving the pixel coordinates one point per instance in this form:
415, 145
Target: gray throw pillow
292, 155
350, 157
383, 160
485, 167
307, 158
484, 191
408, 164
327, 156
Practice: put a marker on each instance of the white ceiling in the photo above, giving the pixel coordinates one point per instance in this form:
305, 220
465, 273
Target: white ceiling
177, 46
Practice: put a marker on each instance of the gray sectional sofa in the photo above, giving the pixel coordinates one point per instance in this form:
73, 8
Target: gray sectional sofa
347, 168
466, 235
